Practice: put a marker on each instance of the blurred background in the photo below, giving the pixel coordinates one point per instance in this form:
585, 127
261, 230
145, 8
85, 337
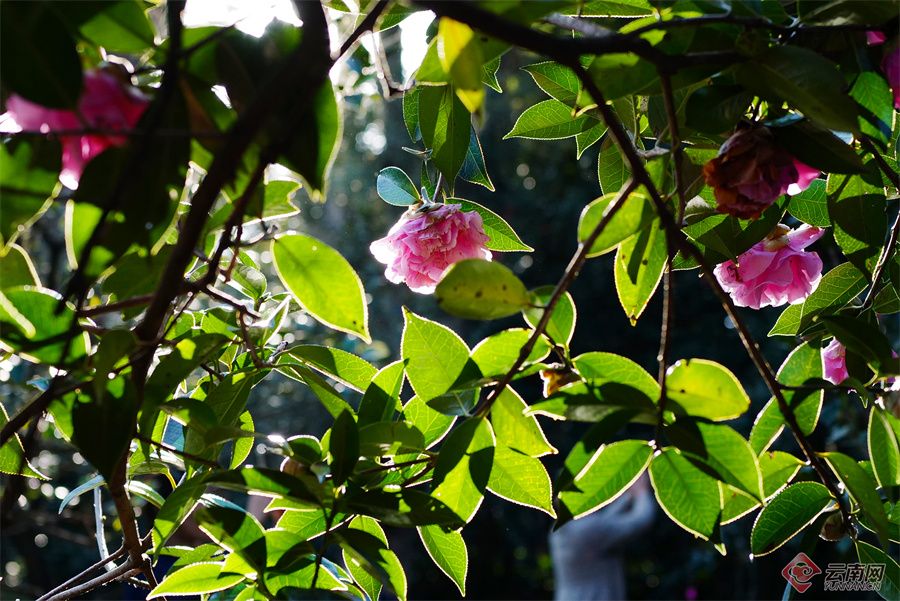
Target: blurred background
540, 190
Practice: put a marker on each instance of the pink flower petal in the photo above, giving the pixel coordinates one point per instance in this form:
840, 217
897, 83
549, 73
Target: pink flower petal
418, 250
765, 278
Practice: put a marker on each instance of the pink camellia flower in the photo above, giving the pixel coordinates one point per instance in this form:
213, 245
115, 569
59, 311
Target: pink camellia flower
751, 171
890, 66
105, 104
875, 38
424, 243
834, 362
774, 271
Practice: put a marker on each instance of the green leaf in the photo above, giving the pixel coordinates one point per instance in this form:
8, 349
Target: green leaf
864, 339
464, 467
890, 585
366, 553
315, 147
612, 172
588, 138
459, 51
837, 288
622, 74
561, 326
481, 289
516, 430
521, 479
411, 113
496, 354
120, 27
346, 368
448, 551
323, 282
344, 447
304, 524
47, 342
176, 508
802, 367
557, 81
876, 105
811, 205
38, 58
792, 510
394, 187
807, 80
702, 388
550, 120
611, 382
29, 179
433, 424
196, 579
721, 448
404, 508
777, 468
640, 262
329, 397
435, 355
382, 396
446, 127
611, 470
502, 237
233, 528
717, 108
244, 444
861, 487
473, 169
725, 237
386, 439
12, 454
689, 496
582, 453
489, 74
817, 147
16, 268
857, 212
884, 450
636, 213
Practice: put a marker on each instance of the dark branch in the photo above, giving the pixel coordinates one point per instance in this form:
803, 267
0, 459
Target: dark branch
571, 272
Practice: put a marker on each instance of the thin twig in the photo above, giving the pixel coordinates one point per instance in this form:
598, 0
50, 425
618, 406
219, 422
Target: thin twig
128, 303
126, 570
882, 263
571, 272
886, 169
639, 172
750, 23
121, 552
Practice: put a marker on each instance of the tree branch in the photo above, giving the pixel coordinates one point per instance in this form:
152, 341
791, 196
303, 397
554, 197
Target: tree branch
564, 49
126, 570
567, 52
620, 136
571, 272
84, 573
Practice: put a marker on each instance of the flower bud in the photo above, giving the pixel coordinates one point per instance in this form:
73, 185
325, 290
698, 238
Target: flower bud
751, 171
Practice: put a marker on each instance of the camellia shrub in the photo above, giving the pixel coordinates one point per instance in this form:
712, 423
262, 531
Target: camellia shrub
738, 142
